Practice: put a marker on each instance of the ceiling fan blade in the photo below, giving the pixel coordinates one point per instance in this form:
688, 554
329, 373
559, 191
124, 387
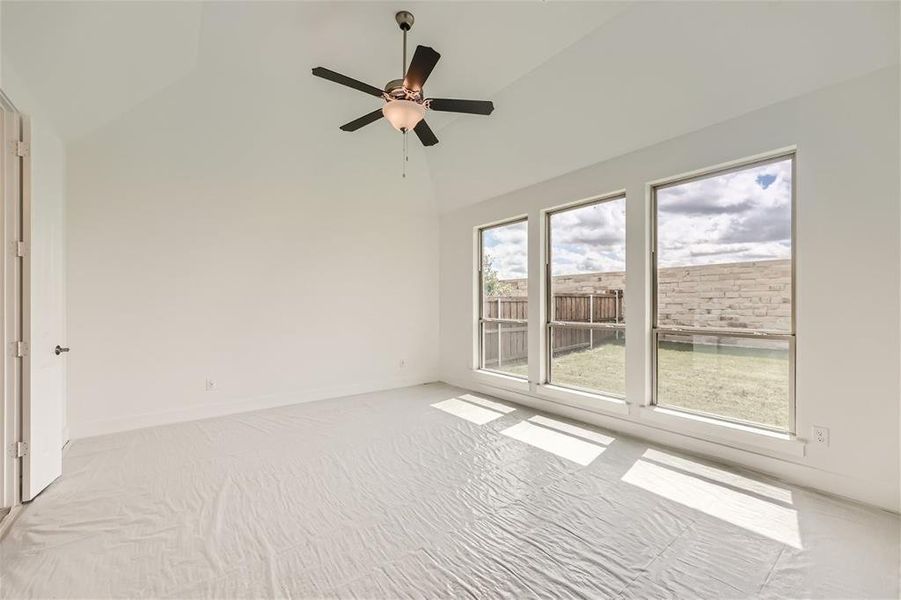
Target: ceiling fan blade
425, 133
473, 107
345, 80
424, 60
363, 121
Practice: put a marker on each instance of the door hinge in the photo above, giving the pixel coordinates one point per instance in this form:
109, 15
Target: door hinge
21, 349
22, 149
18, 449
20, 248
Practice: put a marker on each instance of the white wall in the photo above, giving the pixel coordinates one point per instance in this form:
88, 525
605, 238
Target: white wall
210, 238
847, 139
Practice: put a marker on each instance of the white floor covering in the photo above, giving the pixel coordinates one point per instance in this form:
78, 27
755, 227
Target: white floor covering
429, 492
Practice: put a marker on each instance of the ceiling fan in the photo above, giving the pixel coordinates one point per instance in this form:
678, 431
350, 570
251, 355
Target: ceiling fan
405, 101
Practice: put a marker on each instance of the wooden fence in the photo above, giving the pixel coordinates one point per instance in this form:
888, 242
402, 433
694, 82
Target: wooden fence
605, 307
511, 345
507, 343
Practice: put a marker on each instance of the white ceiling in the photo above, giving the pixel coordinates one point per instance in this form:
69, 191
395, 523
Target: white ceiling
573, 83
96, 60
658, 71
88, 62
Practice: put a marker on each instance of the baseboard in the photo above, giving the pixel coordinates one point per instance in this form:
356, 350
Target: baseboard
206, 411
789, 471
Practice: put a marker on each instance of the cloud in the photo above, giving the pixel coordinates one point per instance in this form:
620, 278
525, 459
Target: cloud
589, 239
507, 246
738, 216
743, 215
699, 205
771, 224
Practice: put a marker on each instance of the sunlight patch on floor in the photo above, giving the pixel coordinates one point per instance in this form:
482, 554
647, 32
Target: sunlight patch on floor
468, 411
721, 475
555, 442
758, 515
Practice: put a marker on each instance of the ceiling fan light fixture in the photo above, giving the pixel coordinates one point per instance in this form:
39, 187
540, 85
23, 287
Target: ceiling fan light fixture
404, 115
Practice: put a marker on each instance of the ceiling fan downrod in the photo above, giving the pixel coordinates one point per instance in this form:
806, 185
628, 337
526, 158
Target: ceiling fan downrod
405, 21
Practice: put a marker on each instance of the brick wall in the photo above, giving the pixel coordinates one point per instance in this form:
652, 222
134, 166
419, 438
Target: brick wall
739, 295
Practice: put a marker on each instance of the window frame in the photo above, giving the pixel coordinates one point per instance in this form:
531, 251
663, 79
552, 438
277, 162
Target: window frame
550, 322
481, 319
790, 335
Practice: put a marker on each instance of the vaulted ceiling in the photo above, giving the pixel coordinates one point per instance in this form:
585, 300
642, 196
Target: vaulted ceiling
573, 83
89, 62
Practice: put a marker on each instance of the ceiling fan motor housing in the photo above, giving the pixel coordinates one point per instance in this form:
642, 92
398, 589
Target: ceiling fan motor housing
395, 90
404, 19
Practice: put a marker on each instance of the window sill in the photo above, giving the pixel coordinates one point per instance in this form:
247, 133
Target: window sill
499, 380
595, 403
724, 432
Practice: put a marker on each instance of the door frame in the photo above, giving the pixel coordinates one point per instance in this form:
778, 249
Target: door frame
14, 173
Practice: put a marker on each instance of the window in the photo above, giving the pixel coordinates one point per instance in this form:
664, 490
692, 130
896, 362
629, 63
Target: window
723, 336
586, 283
503, 299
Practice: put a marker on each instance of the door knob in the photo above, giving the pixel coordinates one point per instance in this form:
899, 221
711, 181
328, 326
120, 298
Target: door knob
59, 350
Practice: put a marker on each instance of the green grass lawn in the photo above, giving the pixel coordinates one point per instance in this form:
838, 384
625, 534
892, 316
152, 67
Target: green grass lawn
749, 384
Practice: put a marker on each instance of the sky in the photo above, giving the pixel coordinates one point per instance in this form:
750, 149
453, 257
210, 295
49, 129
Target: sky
739, 216
590, 239
507, 246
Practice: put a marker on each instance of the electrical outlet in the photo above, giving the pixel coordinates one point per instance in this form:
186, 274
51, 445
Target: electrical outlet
820, 435
209, 385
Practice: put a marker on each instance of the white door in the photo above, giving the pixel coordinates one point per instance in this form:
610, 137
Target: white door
43, 314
